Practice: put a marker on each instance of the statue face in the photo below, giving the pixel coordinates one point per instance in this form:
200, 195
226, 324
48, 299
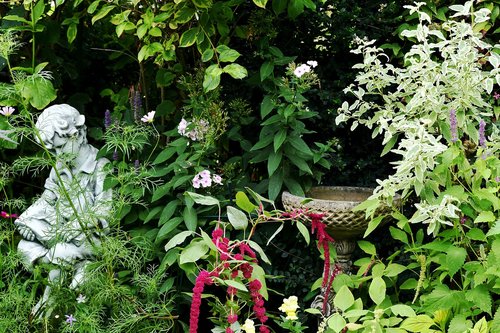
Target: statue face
68, 145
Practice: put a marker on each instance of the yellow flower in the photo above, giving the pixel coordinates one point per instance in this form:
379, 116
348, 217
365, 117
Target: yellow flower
290, 306
248, 326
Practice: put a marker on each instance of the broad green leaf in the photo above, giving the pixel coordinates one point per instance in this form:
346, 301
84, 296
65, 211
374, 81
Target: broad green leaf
167, 228
372, 225
399, 234
459, 324
207, 55
153, 213
403, 310
193, 252
279, 138
486, 216
244, 203
273, 162
300, 145
229, 55
93, 6
394, 270
260, 251
190, 218
367, 247
177, 239
455, 258
236, 71
275, 184
102, 13
71, 32
202, 3
417, 324
336, 322
260, 3
211, 79
203, 199
188, 38
266, 69
266, 106
295, 8
208, 241
39, 92
237, 218
235, 284
168, 211
38, 10
481, 326
377, 290
304, 231
343, 299
300, 163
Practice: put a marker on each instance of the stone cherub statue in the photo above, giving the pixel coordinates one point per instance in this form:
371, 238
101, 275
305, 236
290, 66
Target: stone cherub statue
64, 225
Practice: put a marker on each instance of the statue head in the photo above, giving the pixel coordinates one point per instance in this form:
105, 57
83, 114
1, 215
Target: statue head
62, 128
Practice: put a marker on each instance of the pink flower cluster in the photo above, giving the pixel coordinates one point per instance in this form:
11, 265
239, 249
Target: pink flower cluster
258, 304
195, 134
205, 179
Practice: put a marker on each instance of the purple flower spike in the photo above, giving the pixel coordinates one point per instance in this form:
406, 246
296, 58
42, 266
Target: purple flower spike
115, 156
137, 165
453, 125
482, 137
107, 119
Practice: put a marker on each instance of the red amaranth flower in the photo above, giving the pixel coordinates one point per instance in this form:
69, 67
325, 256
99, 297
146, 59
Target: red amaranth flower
232, 318
246, 249
229, 330
201, 280
258, 300
323, 241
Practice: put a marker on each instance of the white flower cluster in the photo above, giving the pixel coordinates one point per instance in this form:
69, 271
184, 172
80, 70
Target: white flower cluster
436, 215
305, 68
205, 179
195, 134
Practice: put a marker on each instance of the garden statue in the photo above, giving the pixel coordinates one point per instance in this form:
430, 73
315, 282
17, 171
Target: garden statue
64, 225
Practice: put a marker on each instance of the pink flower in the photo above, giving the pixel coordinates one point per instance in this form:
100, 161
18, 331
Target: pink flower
196, 182
232, 318
217, 179
7, 110
6, 215
181, 128
206, 182
496, 96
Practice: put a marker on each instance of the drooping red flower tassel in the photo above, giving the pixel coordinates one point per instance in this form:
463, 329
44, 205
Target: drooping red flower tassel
202, 279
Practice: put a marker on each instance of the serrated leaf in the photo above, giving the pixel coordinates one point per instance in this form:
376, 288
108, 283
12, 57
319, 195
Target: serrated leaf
377, 290
459, 324
177, 239
480, 297
237, 218
455, 258
39, 92
485, 216
343, 298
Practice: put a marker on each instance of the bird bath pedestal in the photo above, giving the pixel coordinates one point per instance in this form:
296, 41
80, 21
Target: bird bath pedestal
342, 223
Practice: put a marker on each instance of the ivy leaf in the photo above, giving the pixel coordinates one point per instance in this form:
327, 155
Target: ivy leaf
455, 258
